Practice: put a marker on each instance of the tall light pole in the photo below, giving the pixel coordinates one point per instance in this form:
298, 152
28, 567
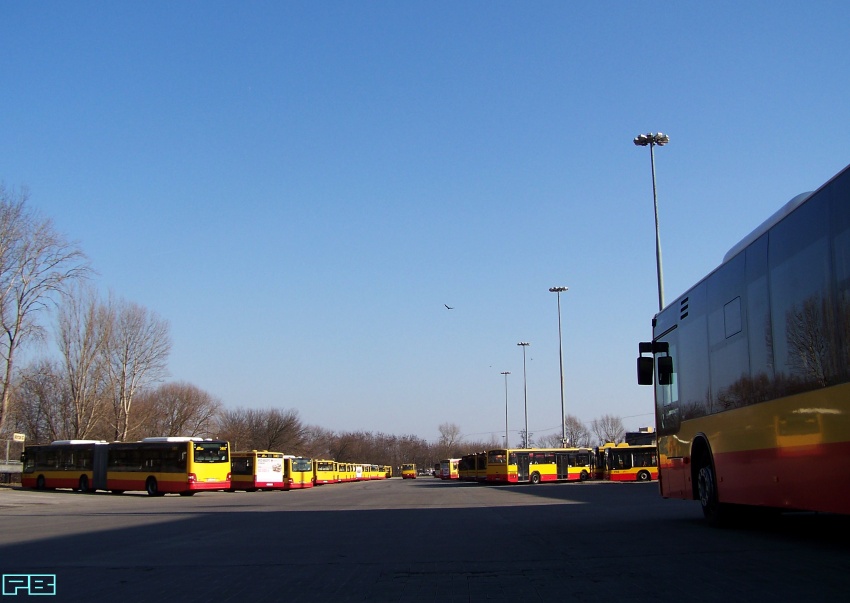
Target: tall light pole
525, 344
506, 373
651, 140
558, 291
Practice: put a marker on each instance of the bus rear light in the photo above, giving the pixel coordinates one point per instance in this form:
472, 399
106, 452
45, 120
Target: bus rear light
192, 478
228, 476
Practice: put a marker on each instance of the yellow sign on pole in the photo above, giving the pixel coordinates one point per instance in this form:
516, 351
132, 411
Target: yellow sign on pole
19, 437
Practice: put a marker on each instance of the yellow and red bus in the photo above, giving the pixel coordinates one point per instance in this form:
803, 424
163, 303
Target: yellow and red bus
325, 472
450, 469
256, 470
535, 465
76, 464
751, 369
179, 465
408, 471
346, 472
297, 472
626, 462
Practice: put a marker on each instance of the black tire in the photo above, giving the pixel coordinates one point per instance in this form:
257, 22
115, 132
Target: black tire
84, 484
118, 491
643, 476
535, 478
152, 488
39, 483
584, 476
187, 493
715, 513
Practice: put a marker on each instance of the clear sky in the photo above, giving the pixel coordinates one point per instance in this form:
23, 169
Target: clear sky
300, 187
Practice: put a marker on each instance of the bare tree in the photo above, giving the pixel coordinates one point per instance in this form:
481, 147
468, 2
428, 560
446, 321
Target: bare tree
608, 428
449, 436
36, 265
525, 440
138, 344
40, 403
176, 409
83, 328
272, 429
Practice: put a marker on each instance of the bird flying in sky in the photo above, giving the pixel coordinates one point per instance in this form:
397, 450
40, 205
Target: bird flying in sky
448, 307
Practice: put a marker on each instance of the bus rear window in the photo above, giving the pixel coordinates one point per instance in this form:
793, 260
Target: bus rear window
211, 452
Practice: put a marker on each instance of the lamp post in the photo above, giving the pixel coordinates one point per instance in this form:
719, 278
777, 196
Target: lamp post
651, 140
523, 345
506, 373
558, 291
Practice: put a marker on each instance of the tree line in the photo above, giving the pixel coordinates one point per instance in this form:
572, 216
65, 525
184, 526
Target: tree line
106, 377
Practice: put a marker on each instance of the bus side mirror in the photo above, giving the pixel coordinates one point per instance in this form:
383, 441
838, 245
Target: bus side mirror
645, 369
665, 370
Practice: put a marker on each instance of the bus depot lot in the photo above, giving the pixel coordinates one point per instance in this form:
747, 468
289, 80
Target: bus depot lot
414, 540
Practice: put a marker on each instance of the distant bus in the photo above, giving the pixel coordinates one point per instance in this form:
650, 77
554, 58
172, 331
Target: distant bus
76, 464
256, 470
627, 463
298, 472
408, 471
449, 469
535, 465
751, 368
325, 472
178, 465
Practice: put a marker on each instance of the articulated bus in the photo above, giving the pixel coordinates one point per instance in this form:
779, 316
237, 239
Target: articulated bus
76, 464
535, 465
256, 470
297, 472
408, 471
168, 465
325, 472
751, 368
626, 463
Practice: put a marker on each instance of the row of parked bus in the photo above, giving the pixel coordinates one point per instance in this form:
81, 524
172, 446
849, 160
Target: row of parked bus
613, 462
179, 465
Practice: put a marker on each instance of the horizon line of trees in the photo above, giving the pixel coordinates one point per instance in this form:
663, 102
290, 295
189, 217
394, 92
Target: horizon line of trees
107, 378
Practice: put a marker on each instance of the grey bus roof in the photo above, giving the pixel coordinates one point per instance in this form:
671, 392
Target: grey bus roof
765, 226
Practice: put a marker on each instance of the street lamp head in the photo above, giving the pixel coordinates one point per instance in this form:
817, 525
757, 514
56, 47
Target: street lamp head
523, 343
505, 373
558, 289
649, 139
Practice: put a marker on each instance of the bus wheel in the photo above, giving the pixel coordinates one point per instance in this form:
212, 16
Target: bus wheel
39, 483
84, 484
643, 476
152, 488
584, 475
535, 478
712, 510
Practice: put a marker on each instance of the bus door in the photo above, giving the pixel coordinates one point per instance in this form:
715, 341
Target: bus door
562, 465
522, 466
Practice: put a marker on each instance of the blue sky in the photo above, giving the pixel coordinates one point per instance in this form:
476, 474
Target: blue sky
299, 188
